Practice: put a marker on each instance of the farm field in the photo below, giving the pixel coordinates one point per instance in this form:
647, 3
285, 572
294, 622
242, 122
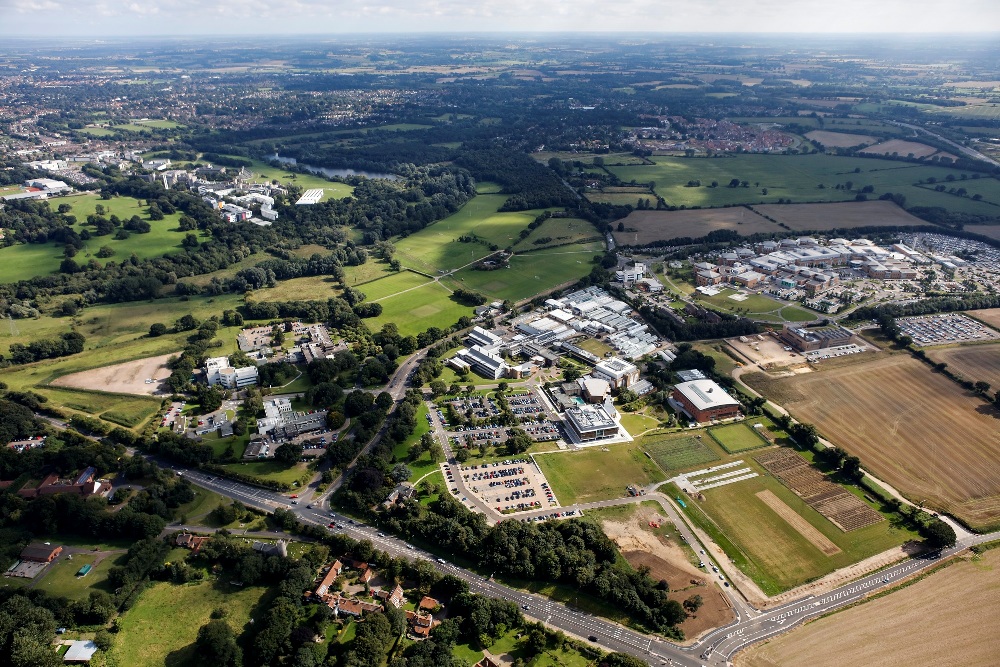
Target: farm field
28, 260
975, 362
436, 248
642, 227
678, 451
990, 231
776, 553
530, 274
756, 307
561, 231
990, 316
795, 177
839, 139
414, 311
904, 148
877, 410
844, 215
593, 474
903, 636
162, 626
735, 438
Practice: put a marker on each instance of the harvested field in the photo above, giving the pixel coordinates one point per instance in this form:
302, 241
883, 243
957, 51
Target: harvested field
893, 630
803, 527
648, 226
990, 316
677, 452
903, 147
839, 139
840, 215
989, 231
914, 428
127, 378
843, 509
975, 362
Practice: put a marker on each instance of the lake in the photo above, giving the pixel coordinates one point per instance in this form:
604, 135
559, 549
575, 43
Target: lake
334, 173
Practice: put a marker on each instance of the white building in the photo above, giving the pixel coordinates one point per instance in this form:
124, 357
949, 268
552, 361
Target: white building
619, 373
587, 423
47, 184
486, 363
276, 411
218, 371
483, 338
631, 275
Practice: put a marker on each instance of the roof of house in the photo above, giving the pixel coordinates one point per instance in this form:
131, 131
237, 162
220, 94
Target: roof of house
427, 602
39, 551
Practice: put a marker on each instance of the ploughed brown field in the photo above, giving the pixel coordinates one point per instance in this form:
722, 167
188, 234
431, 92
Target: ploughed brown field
839, 139
648, 226
942, 620
916, 429
975, 362
840, 215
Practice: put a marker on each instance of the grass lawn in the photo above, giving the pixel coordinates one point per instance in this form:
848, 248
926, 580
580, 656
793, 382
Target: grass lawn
371, 270
558, 231
724, 364
595, 346
270, 470
757, 306
768, 548
796, 177
592, 474
204, 502
162, 626
736, 438
437, 248
418, 309
530, 274
678, 451
636, 423
392, 285
60, 578
312, 288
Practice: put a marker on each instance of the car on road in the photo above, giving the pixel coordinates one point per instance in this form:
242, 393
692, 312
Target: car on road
381, 534
410, 546
309, 506
295, 502
592, 638
294, 495
442, 561
524, 607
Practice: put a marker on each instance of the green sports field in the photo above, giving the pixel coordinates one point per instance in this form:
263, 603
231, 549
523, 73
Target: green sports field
736, 438
414, 311
674, 452
795, 177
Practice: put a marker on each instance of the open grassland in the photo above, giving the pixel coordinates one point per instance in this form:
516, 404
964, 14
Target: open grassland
436, 248
312, 288
979, 363
914, 428
903, 147
678, 451
272, 470
774, 552
559, 231
642, 227
893, 630
59, 578
28, 260
530, 274
845, 215
756, 307
795, 177
392, 285
591, 474
839, 139
371, 270
163, 625
736, 438
414, 311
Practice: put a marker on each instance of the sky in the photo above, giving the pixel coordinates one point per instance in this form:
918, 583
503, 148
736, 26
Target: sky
97, 18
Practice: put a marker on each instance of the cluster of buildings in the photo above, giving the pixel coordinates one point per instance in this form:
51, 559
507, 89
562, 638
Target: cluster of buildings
635, 276
84, 484
677, 133
219, 371
39, 188
282, 422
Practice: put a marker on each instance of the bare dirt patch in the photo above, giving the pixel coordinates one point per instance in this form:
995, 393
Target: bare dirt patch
127, 378
839, 215
839, 139
803, 527
648, 226
895, 630
767, 353
668, 561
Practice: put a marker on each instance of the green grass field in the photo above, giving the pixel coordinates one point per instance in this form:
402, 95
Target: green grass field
678, 451
162, 626
312, 288
530, 274
371, 270
270, 470
416, 310
60, 578
437, 248
592, 474
757, 307
794, 177
392, 285
768, 549
735, 438
636, 423
24, 261
560, 231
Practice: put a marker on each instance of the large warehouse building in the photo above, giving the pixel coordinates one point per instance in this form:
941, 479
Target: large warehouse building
704, 400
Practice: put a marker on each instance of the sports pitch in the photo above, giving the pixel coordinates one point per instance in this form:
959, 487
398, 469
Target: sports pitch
676, 452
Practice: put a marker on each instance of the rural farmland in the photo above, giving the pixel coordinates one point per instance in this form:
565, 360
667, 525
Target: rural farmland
979, 363
916, 429
843, 215
642, 227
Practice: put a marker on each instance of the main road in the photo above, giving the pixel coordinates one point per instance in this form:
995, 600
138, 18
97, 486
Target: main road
715, 648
